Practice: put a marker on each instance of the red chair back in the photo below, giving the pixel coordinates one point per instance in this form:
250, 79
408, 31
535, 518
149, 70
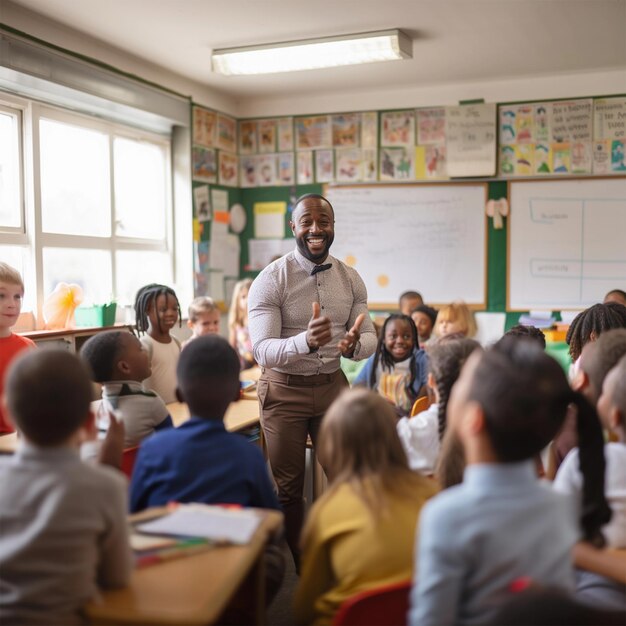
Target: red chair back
383, 606
129, 456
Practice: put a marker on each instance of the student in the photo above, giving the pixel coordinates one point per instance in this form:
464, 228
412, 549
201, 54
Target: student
64, 528
11, 295
502, 524
156, 311
615, 295
238, 334
204, 318
360, 533
119, 363
421, 435
397, 370
409, 301
424, 318
612, 411
455, 318
200, 461
528, 332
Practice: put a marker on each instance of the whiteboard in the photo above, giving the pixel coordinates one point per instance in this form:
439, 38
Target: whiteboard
428, 238
567, 242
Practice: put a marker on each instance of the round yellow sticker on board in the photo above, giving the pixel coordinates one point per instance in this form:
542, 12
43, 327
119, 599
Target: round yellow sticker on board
350, 260
382, 280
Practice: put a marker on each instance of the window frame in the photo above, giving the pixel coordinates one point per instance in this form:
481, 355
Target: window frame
17, 112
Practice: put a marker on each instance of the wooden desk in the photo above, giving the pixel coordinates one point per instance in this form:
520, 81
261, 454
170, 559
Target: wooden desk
8, 443
190, 590
240, 415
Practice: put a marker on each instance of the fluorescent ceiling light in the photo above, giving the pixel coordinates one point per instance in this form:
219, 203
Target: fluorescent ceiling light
309, 54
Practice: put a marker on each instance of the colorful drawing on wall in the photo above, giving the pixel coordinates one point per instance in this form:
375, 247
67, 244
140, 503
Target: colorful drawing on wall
267, 135
202, 203
267, 175
369, 165
431, 126
369, 129
348, 165
398, 128
304, 162
229, 165
618, 150
324, 166
507, 160
204, 127
542, 124
346, 130
561, 161
226, 133
313, 132
435, 162
248, 171
201, 268
285, 169
285, 134
523, 159
247, 137
543, 158
581, 157
602, 157
204, 164
508, 130
396, 164
524, 124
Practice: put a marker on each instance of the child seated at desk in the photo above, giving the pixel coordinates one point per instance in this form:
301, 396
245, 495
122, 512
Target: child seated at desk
119, 363
64, 529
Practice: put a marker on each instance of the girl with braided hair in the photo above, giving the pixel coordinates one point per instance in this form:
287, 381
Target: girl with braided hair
421, 435
397, 370
156, 312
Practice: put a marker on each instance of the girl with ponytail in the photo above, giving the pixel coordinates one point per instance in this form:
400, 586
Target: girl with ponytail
479, 538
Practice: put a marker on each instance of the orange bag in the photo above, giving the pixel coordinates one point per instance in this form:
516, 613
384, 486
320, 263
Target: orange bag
59, 307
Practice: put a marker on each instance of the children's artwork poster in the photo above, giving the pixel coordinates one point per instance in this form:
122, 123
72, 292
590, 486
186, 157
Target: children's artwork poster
248, 171
202, 201
324, 166
396, 164
369, 164
313, 132
284, 127
524, 159
226, 133
369, 129
434, 162
267, 135
247, 137
304, 163
561, 158
602, 157
431, 126
267, 174
229, 165
201, 268
398, 128
507, 160
286, 175
542, 158
346, 130
348, 165
581, 157
204, 162
204, 127
609, 131
618, 156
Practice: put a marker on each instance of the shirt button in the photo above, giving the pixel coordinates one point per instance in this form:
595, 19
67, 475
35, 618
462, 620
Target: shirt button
319, 284
322, 306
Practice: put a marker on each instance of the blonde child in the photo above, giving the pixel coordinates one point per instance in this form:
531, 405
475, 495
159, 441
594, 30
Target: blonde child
64, 528
11, 295
204, 318
238, 334
156, 312
455, 318
502, 523
359, 534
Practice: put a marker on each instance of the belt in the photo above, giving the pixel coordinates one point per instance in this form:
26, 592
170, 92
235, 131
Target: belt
296, 380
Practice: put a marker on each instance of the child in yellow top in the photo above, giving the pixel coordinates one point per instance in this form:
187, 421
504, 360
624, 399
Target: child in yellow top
360, 533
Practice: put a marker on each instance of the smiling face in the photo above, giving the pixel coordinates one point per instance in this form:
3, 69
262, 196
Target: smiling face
10, 306
399, 339
313, 226
163, 313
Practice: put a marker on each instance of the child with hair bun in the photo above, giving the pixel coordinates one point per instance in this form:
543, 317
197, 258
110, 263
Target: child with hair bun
479, 538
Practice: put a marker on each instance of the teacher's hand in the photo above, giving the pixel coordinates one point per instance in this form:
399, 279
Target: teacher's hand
318, 332
348, 343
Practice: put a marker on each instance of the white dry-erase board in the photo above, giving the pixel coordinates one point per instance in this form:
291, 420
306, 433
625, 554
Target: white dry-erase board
567, 242
428, 238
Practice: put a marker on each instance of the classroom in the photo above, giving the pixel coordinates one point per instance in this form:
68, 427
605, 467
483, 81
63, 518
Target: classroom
484, 168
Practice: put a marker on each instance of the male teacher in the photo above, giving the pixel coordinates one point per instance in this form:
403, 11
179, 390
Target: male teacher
304, 311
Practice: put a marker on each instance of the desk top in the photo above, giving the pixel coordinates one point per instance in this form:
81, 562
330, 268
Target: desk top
239, 416
190, 590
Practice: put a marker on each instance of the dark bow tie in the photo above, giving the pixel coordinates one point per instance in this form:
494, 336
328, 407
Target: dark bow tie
321, 268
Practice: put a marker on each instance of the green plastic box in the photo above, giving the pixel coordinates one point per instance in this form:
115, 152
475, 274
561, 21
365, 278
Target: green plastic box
97, 315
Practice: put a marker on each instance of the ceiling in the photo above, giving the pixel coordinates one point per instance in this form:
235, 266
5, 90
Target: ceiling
453, 40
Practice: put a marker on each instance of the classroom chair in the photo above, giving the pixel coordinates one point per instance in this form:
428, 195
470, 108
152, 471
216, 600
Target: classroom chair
129, 456
421, 404
387, 605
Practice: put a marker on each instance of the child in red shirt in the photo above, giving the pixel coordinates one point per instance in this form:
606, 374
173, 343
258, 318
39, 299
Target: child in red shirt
11, 294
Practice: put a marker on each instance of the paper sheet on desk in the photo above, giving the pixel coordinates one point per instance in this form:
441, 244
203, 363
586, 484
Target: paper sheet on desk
209, 522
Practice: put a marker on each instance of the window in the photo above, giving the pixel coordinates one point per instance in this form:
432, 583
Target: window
101, 209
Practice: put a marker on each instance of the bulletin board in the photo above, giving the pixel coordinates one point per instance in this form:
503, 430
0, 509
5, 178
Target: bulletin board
566, 246
431, 238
